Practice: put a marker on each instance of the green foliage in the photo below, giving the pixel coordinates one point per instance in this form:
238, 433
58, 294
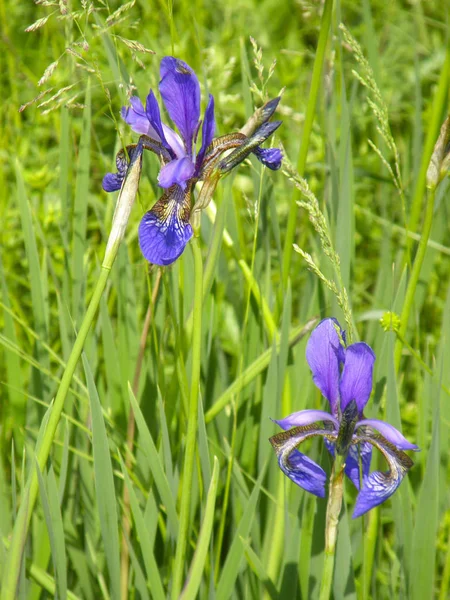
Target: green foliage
107, 518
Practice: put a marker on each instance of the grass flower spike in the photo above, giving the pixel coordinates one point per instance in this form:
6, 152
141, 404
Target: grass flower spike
344, 376
166, 229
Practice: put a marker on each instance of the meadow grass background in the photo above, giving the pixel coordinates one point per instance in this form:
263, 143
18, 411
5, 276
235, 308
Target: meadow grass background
253, 534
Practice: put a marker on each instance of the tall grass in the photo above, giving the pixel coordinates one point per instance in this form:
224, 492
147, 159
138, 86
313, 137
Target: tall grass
120, 515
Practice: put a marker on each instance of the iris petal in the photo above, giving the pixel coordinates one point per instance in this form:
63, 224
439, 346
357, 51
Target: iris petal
154, 118
379, 486
178, 171
180, 91
358, 453
324, 354
165, 230
208, 130
136, 118
356, 379
305, 417
389, 432
270, 157
298, 467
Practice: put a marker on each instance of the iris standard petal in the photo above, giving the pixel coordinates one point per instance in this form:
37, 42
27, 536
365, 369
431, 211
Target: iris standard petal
154, 117
358, 453
356, 379
305, 417
174, 140
208, 131
136, 118
389, 432
178, 171
379, 486
298, 467
165, 230
270, 157
324, 354
180, 91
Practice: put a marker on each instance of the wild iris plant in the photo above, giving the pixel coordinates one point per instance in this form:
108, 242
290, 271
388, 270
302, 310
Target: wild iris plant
166, 229
344, 376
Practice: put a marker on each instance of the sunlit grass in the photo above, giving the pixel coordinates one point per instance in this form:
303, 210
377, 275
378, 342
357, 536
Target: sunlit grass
251, 533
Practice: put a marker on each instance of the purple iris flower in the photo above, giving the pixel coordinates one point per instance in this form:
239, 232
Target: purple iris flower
344, 376
165, 230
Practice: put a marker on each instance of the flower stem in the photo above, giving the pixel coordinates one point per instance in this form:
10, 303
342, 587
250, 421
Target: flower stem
124, 203
189, 456
333, 511
307, 128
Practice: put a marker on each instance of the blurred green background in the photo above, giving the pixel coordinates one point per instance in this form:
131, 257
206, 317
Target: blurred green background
73, 69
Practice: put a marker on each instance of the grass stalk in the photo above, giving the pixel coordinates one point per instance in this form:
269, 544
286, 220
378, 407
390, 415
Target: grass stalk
14, 560
415, 274
189, 457
306, 135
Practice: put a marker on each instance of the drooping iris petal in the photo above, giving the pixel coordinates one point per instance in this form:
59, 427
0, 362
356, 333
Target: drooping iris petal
358, 453
208, 130
270, 157
324, 354
298, 467
305, 473
389, 432
165, 230
356, 379
112, 182
136, 118
379, 486
180, 91
178, 171
305, 417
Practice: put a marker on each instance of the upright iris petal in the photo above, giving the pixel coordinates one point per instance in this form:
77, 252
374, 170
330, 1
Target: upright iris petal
208, 130
324, 355
180, 92
356, 380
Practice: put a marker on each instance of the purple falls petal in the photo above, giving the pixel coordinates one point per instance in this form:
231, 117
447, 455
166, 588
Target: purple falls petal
136, 118
358, 453
356, 379
324, 354
379, 486
180, 91
178, 171
165, 230
208, 131
270, 157
389, 432
305, 417
298, 467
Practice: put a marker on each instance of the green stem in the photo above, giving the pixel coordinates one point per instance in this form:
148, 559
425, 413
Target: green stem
307, 128
433, 125
191, 435
415, 274
334, 506
124, 203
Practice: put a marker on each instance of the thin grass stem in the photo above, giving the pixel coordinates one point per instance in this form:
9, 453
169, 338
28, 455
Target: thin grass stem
306, 135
